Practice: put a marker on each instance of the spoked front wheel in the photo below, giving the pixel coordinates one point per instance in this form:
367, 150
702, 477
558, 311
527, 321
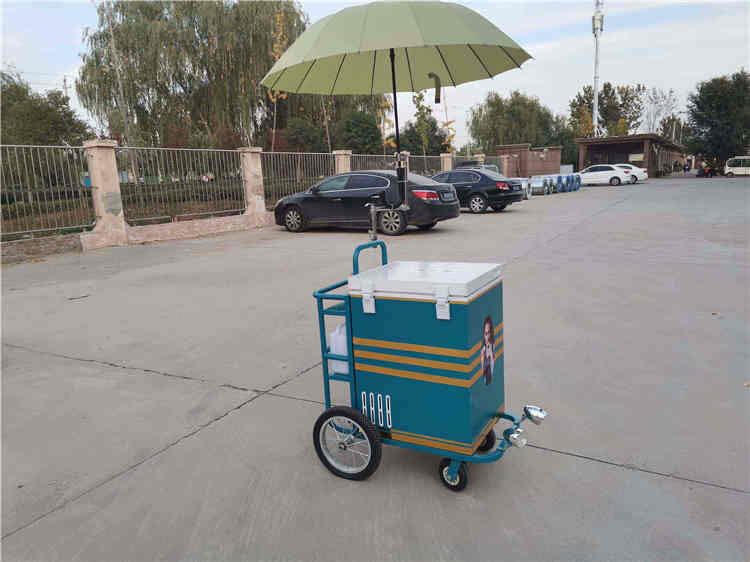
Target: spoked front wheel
347, 443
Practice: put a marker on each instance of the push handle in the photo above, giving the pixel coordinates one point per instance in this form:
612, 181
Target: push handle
375, 244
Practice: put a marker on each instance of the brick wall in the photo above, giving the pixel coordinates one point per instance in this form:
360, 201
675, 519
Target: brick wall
18, 251
524, 161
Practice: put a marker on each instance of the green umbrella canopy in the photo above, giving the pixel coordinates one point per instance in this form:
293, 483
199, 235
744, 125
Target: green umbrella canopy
349, 52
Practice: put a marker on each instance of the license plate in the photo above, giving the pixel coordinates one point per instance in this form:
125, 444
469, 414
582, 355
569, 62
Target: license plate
448, 196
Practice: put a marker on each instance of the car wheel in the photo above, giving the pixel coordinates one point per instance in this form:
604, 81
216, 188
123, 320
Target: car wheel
633, 179
499, 208
427, 226
614, 181
392, 222
730, 174
294, 220
477, 204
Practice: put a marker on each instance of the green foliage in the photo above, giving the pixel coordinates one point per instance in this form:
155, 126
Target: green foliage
422, 125
31, 118
192, 70
719, 116
615, 103
359, 132
411, 140
513, 120
519, 119
304, 136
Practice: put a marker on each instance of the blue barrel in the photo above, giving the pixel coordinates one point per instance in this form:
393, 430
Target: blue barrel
578, 181
560, 184
569, 183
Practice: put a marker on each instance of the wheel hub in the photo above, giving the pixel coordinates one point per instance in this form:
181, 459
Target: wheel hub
446, 474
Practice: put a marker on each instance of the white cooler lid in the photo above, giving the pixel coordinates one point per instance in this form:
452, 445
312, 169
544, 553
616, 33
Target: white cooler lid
459, 279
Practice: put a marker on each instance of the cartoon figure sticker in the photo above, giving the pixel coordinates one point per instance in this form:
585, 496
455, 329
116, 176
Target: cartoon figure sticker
488, 350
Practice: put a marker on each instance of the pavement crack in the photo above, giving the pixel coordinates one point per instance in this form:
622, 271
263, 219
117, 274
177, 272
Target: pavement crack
111, 364
629, 466
133, 466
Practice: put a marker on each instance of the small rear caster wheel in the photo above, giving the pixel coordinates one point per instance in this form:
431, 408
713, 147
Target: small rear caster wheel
455, 484
347, 443
489, 442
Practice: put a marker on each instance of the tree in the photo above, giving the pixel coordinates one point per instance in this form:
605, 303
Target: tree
359, 132
659, 105
304, 136
197, 63
422, 116
31, 118
615, 103
411, 139
719, 116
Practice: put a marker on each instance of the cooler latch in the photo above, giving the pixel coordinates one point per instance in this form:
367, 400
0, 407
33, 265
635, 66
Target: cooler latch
442, 304
368, 299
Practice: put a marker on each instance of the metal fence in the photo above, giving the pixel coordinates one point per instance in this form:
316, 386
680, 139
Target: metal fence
44, 190
174, 184
285, 173
425, 165
373, 162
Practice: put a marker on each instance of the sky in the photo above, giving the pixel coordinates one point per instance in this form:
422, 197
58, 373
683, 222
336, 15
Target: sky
664, 44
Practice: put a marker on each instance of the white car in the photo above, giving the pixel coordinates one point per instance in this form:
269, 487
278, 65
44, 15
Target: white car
604, 173
636, 174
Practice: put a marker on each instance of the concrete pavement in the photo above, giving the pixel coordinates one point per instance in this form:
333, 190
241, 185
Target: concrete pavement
158, 400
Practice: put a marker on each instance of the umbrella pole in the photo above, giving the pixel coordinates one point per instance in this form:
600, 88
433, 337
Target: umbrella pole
400, 170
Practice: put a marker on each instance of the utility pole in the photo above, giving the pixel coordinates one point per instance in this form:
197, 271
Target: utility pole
597, 28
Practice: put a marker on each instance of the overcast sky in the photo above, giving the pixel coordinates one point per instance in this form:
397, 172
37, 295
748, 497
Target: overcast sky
664, 44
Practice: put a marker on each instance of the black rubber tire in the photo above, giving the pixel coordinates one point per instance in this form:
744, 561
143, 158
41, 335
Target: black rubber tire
499, 208
463, 476
371, 433
614, 182
290, 223
489, 442
387, 219
427, 226
730, 174
480, 203
633, 179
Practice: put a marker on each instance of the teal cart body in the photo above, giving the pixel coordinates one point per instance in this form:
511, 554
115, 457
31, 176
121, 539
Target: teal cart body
424, 359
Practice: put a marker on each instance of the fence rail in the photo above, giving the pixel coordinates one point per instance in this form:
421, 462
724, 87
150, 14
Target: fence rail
373, 162
172, 184
44, 190
425, 165
285, 173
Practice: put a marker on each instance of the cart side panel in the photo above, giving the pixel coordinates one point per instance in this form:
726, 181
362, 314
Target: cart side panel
487, 394
417, 412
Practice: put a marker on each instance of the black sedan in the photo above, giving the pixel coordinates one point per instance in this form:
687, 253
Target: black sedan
479, 189
341, 200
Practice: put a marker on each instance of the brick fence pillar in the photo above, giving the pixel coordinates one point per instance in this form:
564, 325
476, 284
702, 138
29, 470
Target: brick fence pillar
446, 161
110, 229
252, 179
342, 161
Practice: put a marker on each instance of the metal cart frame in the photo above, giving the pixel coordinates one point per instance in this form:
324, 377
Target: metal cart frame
453, 465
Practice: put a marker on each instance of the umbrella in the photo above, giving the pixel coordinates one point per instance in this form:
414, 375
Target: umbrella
390, 47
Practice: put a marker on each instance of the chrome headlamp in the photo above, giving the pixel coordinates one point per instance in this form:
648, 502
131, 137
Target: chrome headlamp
535, 414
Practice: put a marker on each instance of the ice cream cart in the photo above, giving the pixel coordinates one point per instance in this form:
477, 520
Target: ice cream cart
421, 347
